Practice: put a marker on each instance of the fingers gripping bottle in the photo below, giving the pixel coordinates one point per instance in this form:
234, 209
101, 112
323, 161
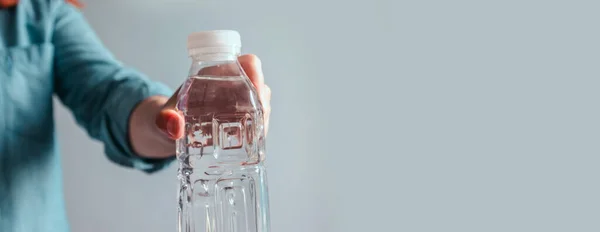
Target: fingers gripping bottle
223, 185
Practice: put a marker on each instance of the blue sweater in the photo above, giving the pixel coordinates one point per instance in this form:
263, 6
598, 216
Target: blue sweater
46, 49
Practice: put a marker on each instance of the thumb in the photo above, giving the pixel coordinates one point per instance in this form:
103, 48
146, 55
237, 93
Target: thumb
169, 121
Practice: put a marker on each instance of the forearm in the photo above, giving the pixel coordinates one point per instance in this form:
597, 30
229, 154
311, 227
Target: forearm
146, 139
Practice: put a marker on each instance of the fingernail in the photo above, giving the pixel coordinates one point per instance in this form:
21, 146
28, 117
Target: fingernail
172, 127
258, 66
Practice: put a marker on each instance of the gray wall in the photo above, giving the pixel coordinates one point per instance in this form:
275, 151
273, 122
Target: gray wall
387, 115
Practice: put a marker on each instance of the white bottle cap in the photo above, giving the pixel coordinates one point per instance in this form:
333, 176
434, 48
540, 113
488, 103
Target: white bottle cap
216, 41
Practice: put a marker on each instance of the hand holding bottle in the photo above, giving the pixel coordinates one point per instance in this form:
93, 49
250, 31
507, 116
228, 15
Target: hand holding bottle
219, 118
155, 124
172, 123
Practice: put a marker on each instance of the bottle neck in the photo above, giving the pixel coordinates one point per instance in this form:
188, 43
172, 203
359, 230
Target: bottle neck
214, 54
215, 64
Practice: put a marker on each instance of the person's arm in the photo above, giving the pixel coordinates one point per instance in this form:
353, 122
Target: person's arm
117, 105
112, 102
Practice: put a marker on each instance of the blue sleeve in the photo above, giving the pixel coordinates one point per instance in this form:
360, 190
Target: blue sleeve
99, 90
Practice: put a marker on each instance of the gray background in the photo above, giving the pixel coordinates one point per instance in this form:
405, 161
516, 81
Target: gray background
387, 115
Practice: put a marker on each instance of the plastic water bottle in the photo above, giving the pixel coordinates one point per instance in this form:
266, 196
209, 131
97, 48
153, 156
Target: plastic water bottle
223, 184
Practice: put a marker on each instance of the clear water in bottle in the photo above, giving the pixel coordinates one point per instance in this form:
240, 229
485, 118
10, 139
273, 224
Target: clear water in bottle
222, 176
